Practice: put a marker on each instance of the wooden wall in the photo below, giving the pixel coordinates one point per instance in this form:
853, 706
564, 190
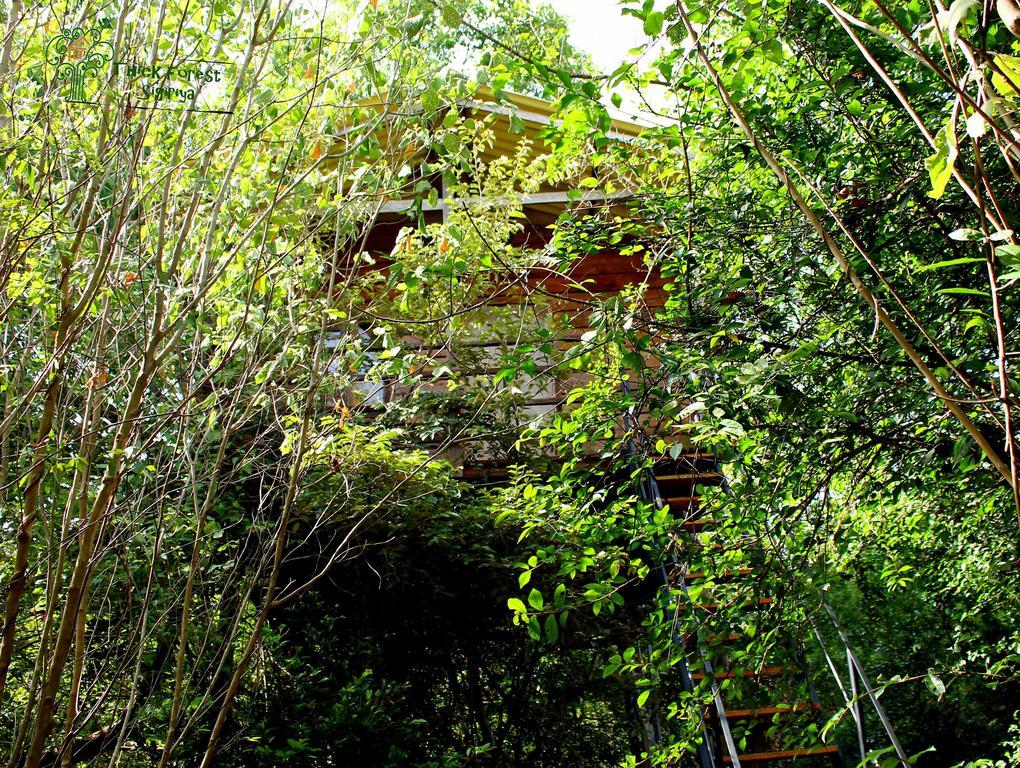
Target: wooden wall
560, 298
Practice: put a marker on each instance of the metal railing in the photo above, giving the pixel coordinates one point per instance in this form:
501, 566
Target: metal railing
857, 678
857, 690
648, 492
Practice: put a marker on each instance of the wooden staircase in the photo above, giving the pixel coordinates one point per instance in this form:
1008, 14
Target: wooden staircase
714, 579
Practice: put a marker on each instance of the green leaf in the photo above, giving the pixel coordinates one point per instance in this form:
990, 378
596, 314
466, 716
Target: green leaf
966, 235
653, 23
940, 165
534, 629
975, 322
560, 595
963, 292
516, 124
430, 100
552, 629
1008, 82
507, 373
450, 15
951, 263
729, 425
634, 360
1008, 254
451, 142
516, 605
535, 600
524, 578
643, 697
935, 684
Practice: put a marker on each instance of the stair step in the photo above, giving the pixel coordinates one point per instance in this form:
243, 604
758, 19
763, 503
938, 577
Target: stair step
759, 712
698, 524
788, 754
727, 546
731, 638
688, 476
761, 603
690, 641
719, 576
684, 459
681, 500
763, 672
689, 456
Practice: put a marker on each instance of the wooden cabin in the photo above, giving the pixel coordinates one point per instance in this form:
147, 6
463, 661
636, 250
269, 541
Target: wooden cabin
529, 291
549, 300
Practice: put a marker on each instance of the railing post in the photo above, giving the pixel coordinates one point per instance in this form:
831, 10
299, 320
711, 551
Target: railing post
706, 755
855, 703
857, 668
648, 490
724, 724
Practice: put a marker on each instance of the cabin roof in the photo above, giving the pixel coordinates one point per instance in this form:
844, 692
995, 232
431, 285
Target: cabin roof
531, 110
534, 115
538, 111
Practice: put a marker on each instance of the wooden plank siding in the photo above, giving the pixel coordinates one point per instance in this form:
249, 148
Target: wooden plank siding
561, 297
564, 299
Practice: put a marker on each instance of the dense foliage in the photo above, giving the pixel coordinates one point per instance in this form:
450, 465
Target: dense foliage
220, 548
